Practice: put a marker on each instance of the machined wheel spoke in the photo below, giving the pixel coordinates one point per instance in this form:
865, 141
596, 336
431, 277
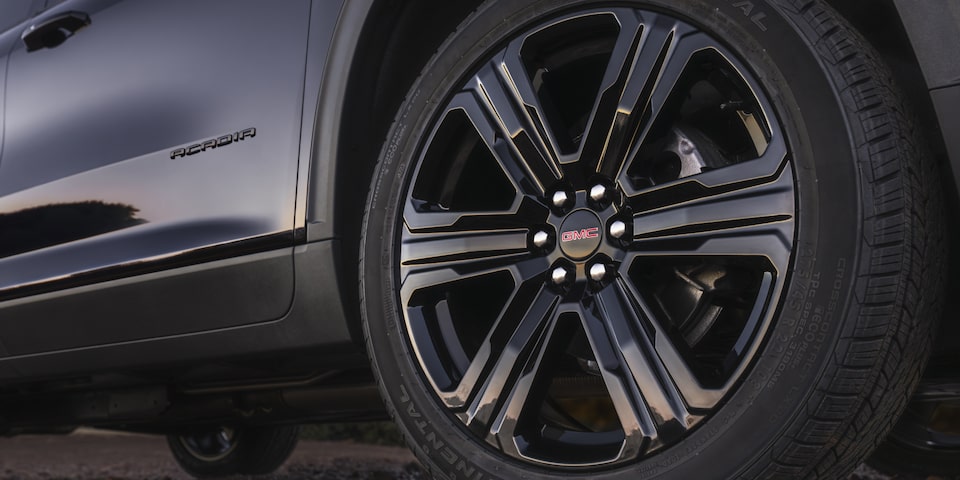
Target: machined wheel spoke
511, 352
524, 269
477, 248
418, 219
511, 109
504, 427
669, 361
607, 121
514, 313
746, 212
631, 337
515, 80
462, 240
636, 417
649, 56
757, 241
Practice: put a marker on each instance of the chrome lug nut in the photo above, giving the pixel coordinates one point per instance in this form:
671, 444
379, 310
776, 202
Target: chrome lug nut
541, 238
598, 193
618, 229
559, 275
598, 272
560, 198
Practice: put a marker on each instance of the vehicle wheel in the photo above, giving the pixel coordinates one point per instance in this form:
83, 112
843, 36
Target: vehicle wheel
222, 451
926, 439
650, 239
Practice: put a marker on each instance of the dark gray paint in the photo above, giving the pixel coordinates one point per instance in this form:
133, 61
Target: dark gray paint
95, 119
933, 28
12, 12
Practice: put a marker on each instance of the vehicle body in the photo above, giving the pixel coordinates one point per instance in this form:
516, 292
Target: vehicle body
182, 192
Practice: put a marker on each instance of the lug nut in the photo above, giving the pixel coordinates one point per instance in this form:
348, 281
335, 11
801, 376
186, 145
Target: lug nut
540, 239
559, 275
598, 193
598, 271
560, 199
618, 229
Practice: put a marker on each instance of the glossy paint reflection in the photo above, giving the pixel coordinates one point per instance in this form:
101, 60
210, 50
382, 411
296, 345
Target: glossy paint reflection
87, 182
48, 225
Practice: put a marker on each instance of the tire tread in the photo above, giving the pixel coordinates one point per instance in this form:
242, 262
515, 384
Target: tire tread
904, 243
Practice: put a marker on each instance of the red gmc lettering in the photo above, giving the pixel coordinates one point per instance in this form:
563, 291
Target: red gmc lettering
574, 235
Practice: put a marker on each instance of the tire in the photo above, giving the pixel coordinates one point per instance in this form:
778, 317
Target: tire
220, 452
731, 273
925, 440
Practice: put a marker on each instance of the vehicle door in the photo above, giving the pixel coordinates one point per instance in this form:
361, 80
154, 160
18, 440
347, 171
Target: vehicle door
148, 144
13, 13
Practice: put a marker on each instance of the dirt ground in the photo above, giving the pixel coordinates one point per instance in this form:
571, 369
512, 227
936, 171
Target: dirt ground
94, 455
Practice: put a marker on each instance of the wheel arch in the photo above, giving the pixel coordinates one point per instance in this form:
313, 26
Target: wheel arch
380, 46
377, 51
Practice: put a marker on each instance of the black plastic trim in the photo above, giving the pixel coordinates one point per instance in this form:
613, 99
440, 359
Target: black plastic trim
314, 156
946, 102
315, 328
934, 31
199, 256
332, 102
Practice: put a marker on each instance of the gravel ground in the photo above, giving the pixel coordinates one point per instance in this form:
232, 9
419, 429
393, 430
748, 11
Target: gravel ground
92, 455
106, 456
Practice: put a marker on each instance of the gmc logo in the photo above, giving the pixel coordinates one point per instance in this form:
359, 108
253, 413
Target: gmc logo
574, 235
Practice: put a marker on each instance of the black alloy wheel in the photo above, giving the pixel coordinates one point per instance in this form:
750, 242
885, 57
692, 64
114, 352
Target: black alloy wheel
550, 271
220, 451
595, 241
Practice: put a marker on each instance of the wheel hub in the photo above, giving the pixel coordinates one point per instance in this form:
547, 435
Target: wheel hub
580, 234
211, 445
591, 238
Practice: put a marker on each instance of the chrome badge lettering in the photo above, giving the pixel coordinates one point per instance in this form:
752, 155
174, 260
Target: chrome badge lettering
214, 143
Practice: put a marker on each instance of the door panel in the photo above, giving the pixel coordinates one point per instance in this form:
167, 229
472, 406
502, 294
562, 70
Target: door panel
12, 12
88, 182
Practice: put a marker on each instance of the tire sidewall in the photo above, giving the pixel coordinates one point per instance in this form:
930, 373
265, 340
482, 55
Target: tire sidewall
257, 451
815, 310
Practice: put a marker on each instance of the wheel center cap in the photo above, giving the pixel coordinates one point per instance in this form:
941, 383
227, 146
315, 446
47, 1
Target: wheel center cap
580, 234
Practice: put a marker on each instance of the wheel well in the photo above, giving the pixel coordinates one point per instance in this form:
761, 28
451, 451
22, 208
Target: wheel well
879, 22
398, 38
